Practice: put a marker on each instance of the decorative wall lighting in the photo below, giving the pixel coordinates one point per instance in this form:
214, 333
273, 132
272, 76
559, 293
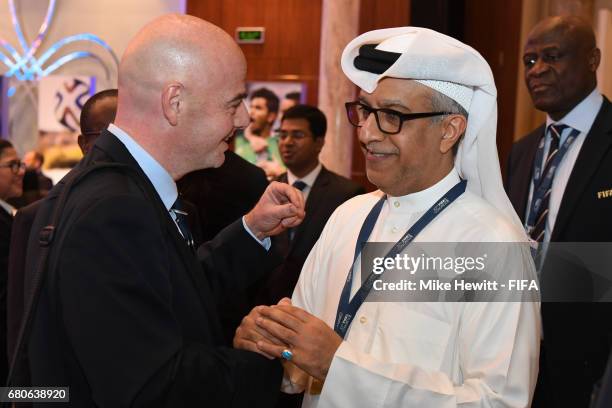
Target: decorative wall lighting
27, 66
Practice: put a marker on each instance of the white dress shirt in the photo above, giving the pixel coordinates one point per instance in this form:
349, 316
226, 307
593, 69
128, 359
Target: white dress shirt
308, 179
580, 118
420, 354
8, 208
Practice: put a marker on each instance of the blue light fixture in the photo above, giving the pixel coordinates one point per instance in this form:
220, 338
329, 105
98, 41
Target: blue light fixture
25, 66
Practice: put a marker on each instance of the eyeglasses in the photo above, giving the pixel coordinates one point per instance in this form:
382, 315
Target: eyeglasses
14, 165
389, 121
295, 134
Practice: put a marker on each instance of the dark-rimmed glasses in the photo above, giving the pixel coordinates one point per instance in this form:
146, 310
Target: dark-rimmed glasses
14, 165
389, 121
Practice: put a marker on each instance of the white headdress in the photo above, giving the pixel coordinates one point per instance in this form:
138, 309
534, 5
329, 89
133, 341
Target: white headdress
454, 69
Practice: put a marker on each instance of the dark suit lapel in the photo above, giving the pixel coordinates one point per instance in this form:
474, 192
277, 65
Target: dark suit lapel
5, 217
595, 146
522, 177
117, 151
315, 198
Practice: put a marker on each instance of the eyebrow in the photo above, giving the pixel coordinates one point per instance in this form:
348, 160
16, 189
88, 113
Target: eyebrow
237, 98
552, 48
387, 103
548, 48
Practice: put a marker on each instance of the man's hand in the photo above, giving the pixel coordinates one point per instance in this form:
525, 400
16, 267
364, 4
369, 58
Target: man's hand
248, 334
280, 207
312, 342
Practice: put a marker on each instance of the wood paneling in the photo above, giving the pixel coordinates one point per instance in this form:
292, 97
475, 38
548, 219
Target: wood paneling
293, 36
493, 28
376, 14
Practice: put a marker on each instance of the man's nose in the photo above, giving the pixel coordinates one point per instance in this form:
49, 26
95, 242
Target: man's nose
369, 131
538, 68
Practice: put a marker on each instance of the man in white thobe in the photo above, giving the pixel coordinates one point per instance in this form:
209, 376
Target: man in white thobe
426, 116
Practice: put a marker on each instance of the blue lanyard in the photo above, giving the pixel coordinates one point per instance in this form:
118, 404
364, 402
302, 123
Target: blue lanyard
347, 308
543, 182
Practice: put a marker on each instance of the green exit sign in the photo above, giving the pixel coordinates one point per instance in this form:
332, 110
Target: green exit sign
250, 35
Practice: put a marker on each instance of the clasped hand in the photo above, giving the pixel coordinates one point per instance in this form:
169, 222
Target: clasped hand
279, 208
268, 330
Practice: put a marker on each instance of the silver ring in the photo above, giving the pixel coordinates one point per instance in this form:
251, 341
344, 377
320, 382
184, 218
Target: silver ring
287, 354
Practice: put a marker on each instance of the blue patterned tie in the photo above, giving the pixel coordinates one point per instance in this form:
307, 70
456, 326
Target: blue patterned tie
178, 208
537, 233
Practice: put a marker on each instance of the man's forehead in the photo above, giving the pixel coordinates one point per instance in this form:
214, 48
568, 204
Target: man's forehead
396, 90
258, 100
550, 36
9, 154
299, 123
236, 94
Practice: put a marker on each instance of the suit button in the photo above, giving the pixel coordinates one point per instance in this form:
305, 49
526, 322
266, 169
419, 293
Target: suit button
396, 204
363, 320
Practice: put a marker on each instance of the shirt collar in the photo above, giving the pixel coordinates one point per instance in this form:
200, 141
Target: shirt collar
155, 172
9, 208
309, 179
422, 200
583, 115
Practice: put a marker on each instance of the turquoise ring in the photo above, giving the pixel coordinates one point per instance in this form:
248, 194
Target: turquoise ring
287, 354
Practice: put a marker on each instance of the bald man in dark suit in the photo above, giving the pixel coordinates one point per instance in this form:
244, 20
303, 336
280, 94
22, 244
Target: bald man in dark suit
574, 147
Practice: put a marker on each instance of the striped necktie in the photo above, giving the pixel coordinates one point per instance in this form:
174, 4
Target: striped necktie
178, 208
539, 228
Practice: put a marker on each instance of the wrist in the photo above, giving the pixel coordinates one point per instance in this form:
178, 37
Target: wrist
248, 220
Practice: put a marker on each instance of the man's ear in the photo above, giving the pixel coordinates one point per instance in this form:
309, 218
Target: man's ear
272, 117
453, 126
172, 98
319, 143
81, 142
594, 59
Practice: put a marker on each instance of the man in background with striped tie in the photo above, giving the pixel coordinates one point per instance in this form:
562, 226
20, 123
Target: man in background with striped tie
553, 179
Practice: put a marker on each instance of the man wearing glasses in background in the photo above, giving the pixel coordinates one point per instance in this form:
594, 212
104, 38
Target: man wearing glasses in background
422, 95
11, 184
301, 138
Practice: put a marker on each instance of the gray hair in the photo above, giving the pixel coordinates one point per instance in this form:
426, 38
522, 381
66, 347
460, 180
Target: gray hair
442, 103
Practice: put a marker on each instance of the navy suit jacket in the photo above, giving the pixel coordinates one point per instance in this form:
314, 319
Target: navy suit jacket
577, 334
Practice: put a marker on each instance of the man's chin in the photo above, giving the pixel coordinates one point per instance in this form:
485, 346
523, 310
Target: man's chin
375, 178
545, 104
